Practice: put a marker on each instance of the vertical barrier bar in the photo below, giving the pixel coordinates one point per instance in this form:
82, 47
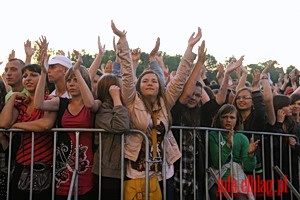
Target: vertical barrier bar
290, 170
100, 164
272, 161
31, 165
122, 165
180, 164
164, 171
206, 164
54, 164
194, 164
263, 160
220, 155
9, 165
77, 134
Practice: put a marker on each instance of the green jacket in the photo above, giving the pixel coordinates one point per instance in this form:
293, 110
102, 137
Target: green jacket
239, 151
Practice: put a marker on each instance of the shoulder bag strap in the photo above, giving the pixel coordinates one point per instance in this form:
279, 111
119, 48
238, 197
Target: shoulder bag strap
154, 137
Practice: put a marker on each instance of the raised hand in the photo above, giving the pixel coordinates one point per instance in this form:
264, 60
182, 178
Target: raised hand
136, 54
29, 51
264, 73
255, 78
160, 60
100, 47
154, 50
121, 34
45, 58
193, 40
234, 65
79, 60
202, 53
252, 146
12, 55
43, 43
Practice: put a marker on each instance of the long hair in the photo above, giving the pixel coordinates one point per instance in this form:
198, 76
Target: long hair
103, 85
161, 93
225, 109
280, 101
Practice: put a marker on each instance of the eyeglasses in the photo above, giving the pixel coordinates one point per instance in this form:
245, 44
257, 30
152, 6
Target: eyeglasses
243, 97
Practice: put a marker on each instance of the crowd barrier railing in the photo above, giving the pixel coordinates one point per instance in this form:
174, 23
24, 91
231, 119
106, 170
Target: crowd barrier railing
267, 153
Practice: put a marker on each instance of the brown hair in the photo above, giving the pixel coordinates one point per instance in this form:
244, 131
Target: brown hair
103, 85
225, 109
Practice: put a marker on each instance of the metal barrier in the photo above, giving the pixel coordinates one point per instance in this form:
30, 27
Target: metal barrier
267, 146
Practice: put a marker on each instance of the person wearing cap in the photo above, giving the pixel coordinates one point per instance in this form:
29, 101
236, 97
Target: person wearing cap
58, 66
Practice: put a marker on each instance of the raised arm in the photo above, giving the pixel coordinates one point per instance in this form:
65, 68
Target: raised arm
29, 51
39, 102
243, 77
127, 71
116, 64
220, 73
42, 43
12, 54
154, 65
176, 85
135, 55
221, 96
96, 63
194, 77
267, 93
255, 80
86, 93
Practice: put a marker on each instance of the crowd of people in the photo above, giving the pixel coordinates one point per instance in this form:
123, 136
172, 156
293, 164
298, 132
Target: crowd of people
56, 93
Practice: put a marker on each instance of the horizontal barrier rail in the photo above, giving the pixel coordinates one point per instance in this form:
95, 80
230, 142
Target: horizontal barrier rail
267, 146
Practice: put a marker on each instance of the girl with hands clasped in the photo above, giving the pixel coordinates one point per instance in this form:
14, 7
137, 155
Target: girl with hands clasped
149, 102
236, 153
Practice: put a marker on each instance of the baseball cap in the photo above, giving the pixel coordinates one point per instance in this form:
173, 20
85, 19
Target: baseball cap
62, 60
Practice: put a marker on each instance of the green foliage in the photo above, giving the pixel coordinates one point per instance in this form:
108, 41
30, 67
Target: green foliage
210, 62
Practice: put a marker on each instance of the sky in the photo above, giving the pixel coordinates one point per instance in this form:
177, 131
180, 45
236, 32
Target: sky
260, 30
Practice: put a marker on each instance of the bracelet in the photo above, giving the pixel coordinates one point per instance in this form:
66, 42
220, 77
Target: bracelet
264, 77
